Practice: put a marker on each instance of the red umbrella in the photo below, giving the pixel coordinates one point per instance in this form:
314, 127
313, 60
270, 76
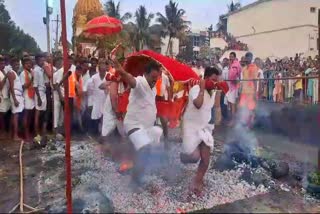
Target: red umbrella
102, 25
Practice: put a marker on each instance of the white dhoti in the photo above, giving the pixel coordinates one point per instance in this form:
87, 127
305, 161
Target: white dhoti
144, 137
20, 107
194, 136
98, 103
232, 96
4, 104
58, 112
196, 128
109, 121
29, 103
43, 106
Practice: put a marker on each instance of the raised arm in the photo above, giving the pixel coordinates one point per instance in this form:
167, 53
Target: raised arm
128, 78
199, 100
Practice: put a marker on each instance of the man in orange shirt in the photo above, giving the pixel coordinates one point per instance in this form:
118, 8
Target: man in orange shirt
248, 90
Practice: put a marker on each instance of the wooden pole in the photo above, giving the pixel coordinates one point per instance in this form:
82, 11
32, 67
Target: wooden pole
67, 113
21, 177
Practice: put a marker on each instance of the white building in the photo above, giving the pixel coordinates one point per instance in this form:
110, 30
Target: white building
277, 27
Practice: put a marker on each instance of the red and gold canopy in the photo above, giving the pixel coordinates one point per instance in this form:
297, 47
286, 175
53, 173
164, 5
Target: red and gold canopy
102, 26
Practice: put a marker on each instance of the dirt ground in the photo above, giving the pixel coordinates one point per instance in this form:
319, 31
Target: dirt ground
274, 201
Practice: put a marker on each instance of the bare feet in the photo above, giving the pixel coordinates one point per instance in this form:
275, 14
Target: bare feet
197, 187
17, 138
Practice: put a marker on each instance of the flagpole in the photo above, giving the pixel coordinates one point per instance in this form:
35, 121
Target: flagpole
67, 122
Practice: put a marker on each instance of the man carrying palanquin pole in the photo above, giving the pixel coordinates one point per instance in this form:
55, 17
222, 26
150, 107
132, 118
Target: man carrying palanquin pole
141, 115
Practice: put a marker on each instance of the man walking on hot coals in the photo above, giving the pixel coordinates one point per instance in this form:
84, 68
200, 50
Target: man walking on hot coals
197, 127
141, 115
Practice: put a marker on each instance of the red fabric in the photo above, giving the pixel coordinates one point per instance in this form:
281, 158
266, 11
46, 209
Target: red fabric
102, 25
136, 62
210, 85
135, 65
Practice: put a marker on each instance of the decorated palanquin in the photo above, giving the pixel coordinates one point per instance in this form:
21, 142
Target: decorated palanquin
177, 72
181, 76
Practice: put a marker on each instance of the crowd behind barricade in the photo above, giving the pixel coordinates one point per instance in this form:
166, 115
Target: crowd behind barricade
272, 81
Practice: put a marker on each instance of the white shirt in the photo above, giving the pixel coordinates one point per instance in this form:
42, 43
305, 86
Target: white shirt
39, 80
96, 82
199, 117
199, 71
57, 78
141, 111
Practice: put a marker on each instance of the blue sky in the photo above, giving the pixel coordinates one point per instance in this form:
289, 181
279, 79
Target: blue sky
28, 13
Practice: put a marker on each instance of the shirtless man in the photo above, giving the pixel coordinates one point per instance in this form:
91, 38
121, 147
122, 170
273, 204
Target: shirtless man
141, 114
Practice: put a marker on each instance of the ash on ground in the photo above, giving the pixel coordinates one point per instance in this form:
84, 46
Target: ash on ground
99, 187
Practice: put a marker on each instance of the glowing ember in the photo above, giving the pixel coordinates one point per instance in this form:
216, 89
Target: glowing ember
181, 211
125, 166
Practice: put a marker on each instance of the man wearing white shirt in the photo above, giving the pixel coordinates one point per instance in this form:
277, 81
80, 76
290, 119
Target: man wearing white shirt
26, 79
39, 85
58, 95
141, 114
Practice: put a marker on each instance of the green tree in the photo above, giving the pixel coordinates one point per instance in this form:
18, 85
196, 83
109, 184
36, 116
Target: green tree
141, 29
113, 10
173, 23
14, 40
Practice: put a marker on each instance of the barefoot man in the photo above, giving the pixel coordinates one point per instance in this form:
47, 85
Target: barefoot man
141, 114
26, 78
197, 132
4, 98
39, 85
16, 96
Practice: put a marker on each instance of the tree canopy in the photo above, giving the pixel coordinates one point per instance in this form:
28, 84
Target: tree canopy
173, 22
112, 9
14, 40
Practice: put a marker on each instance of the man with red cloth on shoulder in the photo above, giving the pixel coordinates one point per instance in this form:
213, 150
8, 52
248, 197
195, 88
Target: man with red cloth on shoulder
197, 128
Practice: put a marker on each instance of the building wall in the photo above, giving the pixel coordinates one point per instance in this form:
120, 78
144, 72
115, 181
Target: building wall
281, 43
218, 43
175, 46
277, 27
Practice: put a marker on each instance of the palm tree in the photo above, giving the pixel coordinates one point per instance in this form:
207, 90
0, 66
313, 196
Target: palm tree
113, 10
234, 6
141, 30
173, 23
